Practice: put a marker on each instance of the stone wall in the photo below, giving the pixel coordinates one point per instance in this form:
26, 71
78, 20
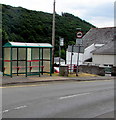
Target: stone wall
92, 70
113, 73
63, 70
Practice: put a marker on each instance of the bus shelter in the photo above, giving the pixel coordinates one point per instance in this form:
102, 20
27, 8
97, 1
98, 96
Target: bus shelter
27, 58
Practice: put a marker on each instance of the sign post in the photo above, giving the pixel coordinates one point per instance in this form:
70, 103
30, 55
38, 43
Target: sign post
72, 48
79, 36
61, 43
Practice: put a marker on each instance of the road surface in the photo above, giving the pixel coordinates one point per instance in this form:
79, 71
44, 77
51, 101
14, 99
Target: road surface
93, 99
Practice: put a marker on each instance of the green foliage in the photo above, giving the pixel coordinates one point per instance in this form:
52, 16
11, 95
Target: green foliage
71, 43
22, 25
63, 53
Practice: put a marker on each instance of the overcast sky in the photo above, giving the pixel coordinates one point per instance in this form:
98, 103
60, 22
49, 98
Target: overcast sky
98, 12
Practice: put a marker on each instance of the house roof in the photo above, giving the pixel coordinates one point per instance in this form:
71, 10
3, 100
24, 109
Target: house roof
98, 36
107, 49
56, 59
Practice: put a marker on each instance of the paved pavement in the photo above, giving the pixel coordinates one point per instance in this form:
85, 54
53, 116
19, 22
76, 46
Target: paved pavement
5, 80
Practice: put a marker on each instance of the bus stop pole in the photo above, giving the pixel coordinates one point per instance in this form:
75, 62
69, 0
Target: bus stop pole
77, 70
71, 59
59, 57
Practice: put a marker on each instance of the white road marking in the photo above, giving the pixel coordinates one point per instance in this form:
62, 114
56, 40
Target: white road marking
70, 96
20, 107
17, 108
5, 111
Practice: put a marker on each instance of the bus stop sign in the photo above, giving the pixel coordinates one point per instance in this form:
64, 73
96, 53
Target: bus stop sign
79, 34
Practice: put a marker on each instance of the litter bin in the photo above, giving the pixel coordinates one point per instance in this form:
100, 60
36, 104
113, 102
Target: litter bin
108, 71
63, 70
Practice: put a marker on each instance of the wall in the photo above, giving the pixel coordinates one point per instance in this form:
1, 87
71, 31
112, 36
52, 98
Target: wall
87, 52
74, 58
113, 71
92, 69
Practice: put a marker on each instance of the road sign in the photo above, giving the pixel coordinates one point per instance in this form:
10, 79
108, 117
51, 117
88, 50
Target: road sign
79, 41
61, 41
76, 49
79, 34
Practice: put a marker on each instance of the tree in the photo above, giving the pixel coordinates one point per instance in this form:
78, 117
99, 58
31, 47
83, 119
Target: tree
22, 25
5, 37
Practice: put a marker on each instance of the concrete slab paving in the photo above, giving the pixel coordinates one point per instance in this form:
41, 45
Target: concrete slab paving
6, 80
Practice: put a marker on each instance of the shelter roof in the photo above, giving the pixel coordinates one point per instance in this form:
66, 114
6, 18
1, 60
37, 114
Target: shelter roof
21, 44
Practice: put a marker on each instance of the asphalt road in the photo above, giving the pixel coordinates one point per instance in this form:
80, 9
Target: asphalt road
60, 100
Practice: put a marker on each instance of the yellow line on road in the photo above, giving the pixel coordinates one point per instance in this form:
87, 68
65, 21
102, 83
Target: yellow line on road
22, 86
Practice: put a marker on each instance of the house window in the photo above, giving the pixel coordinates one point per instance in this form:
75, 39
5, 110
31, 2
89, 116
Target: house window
111, 65
108, 65
105, 65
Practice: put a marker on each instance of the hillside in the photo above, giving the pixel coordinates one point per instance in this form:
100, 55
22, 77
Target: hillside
22, 25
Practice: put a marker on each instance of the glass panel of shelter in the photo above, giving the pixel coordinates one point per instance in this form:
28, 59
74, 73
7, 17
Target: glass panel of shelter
46, 60
6, 64
14, 60
18, 61
34, 64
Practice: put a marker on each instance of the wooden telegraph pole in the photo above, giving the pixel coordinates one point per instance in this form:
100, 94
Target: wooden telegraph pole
53, 36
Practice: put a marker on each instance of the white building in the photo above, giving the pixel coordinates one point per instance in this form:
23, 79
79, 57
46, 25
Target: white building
87, 56
98, 48
105, 56
74, 58
56, 61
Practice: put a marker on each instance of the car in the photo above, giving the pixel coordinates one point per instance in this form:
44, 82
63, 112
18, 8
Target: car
56, 69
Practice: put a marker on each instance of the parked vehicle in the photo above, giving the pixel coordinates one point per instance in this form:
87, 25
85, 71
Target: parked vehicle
56, 69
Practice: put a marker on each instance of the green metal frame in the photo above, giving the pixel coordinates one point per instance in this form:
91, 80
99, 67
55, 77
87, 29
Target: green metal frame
39, 62
42, 61
26, 62
17, 60
11, 62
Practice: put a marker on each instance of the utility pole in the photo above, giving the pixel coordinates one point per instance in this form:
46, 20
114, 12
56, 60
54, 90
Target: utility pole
53, 36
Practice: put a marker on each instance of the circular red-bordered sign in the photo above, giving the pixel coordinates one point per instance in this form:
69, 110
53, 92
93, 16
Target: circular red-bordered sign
79, 34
